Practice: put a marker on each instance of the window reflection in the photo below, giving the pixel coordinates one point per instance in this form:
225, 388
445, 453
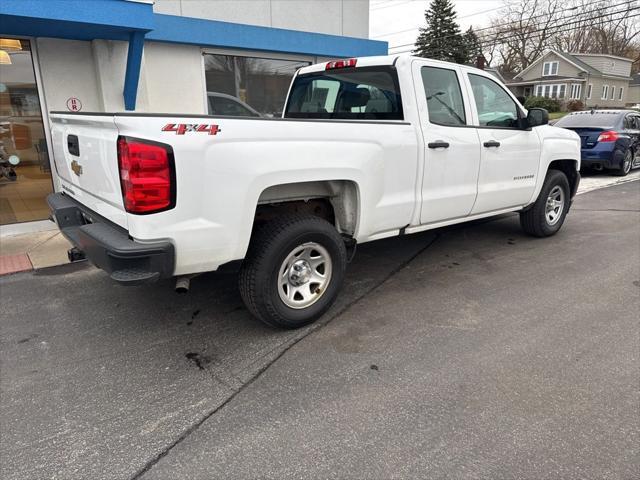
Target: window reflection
25, 175
258, 85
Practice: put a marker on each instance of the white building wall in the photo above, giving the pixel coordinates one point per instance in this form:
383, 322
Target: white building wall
335, 17
171, 77
67, 70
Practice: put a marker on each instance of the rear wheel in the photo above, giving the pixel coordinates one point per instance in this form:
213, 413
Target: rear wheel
293, 270
626, 164
547, 214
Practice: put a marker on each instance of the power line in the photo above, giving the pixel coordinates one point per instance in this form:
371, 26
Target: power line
627, 3
458, 18
395, 4
505, 39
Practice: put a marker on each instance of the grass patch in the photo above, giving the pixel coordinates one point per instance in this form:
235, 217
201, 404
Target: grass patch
556, 115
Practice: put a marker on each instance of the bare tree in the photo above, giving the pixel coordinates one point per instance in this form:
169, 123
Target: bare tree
599, 27
524, 29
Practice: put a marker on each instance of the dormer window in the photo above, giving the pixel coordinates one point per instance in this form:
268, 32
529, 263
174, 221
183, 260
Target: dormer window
549, 68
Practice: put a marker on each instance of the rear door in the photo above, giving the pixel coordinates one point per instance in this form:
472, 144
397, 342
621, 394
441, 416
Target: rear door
86, 161
452, 147
509, 156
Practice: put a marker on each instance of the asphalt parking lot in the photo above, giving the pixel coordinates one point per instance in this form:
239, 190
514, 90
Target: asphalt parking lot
468, 352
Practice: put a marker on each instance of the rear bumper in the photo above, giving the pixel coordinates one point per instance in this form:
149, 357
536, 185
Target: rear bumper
108, 246
601, 157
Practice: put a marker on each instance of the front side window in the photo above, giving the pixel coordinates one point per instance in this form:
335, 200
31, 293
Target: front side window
628, 122
495, 107
368, 93
259, 83
444, 97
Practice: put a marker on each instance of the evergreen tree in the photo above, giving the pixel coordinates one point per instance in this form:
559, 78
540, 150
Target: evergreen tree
441, 39
471, 45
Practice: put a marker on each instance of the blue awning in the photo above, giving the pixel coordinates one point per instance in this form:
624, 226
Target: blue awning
75, 19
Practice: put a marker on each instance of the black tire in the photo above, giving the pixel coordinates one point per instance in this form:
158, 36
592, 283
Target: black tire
271, 244
534, 220
625, 164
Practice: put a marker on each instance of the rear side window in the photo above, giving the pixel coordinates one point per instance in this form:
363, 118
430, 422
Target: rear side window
369, 93
632, 122
444, 97
495, 107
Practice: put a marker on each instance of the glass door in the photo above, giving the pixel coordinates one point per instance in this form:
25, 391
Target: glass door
25, 171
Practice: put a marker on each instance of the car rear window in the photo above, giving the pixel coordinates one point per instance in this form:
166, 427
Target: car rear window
369, 93
587, 119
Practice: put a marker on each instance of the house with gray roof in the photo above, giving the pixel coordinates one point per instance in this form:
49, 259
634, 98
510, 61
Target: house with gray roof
633, 97
598, 80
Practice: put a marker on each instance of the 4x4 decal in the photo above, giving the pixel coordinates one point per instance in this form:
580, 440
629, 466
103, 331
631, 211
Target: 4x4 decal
182, 128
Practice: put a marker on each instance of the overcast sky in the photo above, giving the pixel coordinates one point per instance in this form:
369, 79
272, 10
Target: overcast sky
397, 21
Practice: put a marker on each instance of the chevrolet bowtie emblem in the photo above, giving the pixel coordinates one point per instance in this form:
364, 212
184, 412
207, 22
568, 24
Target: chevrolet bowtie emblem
76, 167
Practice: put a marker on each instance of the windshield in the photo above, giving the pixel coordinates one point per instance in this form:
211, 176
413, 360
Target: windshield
588, 119
370, 93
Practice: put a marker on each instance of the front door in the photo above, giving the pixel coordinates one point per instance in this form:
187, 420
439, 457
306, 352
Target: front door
25, 172
509, 156
451, 147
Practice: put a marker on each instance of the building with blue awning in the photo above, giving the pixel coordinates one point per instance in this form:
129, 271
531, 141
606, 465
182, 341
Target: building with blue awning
171, 56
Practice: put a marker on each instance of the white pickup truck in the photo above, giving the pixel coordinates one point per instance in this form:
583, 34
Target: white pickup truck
367, 148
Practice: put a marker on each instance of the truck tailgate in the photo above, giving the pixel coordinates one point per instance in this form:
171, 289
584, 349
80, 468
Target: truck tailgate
86, 160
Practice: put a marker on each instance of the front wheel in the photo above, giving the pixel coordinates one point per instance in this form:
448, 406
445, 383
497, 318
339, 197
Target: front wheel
545, 217
293, 270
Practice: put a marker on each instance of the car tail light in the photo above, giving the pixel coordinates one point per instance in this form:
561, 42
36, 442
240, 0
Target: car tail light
351, 62
609, 136
147, 175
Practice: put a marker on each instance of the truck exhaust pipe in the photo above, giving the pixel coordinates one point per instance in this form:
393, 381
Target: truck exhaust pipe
182, 284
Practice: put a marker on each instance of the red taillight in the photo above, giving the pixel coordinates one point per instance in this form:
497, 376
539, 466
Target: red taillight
146, 175
341, 64
610, 136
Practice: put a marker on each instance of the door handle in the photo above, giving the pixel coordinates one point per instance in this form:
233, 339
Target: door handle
438, 144
491, 143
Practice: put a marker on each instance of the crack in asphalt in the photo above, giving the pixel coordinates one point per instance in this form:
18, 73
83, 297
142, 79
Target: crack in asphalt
313, 328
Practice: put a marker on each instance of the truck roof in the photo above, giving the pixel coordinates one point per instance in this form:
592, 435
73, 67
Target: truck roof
380, 60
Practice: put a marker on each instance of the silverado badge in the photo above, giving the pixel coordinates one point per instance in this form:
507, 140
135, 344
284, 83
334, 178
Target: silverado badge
76, 167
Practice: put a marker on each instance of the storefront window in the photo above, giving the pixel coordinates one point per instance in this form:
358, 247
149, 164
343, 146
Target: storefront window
25, 174
248, 86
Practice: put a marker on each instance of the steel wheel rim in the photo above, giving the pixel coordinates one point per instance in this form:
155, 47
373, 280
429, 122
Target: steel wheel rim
555, 205
304, 275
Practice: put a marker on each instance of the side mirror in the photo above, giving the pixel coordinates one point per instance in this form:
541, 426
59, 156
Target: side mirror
537, 117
